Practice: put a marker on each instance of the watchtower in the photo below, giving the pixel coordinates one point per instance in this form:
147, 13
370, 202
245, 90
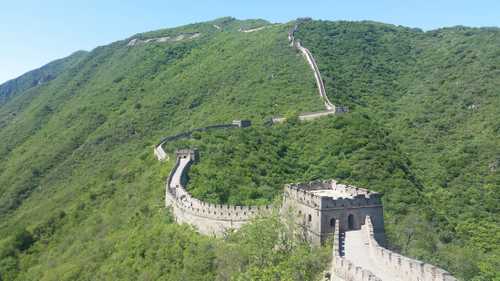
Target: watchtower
242, 123
187, 153
319, 205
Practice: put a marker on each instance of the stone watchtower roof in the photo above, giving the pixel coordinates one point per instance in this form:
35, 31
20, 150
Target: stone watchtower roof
332, 189
330, 194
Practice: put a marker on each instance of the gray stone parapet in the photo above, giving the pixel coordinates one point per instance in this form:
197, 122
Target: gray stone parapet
409, 269
203, 215
345, 268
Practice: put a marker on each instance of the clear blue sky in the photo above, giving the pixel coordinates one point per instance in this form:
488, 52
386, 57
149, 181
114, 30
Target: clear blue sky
34, 32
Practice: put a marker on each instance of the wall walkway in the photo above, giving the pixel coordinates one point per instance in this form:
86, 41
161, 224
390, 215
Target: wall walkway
357, 256
312, 63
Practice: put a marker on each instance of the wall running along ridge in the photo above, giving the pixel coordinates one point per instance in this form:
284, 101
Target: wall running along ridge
160, 153
209, 219
312, 63
341, 201
253, 29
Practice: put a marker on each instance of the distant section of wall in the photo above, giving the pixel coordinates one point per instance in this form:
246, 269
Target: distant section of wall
160, 153
312, 63
307, 116
253, 29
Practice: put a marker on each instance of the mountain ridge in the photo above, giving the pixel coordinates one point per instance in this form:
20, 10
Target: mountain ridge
78, 164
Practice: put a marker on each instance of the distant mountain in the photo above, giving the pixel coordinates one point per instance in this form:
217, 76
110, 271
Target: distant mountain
38, 76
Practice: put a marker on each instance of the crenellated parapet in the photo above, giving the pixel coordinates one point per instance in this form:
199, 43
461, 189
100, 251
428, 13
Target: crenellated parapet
208, 218
344, 268
329, 194
320, 204
407, 269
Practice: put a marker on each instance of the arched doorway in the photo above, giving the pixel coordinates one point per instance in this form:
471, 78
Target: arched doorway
332, 222
350, 222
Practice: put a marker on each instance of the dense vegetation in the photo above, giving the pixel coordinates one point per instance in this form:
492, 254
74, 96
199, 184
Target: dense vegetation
80, 191
81, 195
38, 76
437, 93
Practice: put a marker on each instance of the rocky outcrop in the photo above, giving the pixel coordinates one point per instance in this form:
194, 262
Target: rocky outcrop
165, 39
253, 29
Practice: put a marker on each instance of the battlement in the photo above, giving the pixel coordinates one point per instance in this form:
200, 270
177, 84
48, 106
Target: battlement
207, 217
330, 194
409, 269
184, 201
187, 153
242, 123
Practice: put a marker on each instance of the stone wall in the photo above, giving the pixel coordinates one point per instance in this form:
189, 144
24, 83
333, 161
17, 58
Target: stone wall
312, 63
322, 216
160, 153
409, 269
207, 218
253, 29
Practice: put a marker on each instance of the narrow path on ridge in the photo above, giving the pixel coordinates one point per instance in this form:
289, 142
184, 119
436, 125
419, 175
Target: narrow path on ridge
177, 177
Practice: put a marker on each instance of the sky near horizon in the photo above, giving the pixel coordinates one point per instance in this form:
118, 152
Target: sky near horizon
35, 32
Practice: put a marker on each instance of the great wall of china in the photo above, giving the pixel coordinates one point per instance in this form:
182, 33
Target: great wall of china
352, 215
358, 256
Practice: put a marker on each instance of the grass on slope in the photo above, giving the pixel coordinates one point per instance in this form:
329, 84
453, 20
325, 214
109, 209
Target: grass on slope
81, 195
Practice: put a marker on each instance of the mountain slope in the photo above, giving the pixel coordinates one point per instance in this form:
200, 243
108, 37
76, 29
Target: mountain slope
81, 195
437, 93
38, 76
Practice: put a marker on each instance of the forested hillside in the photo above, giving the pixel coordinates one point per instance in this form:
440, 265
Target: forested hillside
81, 194
38, 76
80, 191
437, 93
